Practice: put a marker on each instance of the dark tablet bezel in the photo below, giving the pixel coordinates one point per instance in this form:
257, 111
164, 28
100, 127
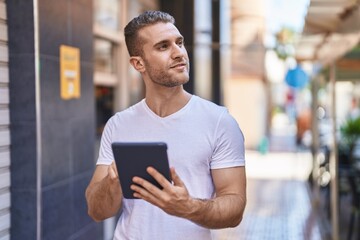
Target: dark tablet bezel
132, 159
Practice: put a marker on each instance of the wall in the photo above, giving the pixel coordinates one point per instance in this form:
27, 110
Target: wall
4, 128
246, 101
246, 95
183, 12
52, 154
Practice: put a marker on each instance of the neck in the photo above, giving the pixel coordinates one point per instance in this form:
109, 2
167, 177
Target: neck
168, 102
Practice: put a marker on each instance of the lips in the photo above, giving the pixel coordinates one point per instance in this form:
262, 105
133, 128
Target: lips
182, 64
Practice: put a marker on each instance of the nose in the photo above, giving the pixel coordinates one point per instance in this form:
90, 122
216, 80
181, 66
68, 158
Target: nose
178, 51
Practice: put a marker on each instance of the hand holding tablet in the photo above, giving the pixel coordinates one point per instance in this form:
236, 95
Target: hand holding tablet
132, 159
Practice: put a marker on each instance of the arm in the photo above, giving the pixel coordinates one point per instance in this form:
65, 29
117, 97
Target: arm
104, 195
225, 210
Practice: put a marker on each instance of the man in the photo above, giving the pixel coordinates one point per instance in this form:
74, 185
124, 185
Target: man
205, 147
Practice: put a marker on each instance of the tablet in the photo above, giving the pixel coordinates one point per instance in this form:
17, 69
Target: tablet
132, 159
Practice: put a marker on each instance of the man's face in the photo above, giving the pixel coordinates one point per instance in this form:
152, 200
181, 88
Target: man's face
164, 55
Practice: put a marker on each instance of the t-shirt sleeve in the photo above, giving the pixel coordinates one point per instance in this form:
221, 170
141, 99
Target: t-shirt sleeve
105, 152
229, 148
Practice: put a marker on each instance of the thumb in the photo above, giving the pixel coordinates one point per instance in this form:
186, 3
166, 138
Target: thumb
112, 172
176, 179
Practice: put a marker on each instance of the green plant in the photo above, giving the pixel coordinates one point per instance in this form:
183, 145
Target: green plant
350, 132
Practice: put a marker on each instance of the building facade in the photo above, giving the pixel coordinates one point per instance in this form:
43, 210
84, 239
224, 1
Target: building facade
247, 70
50, 45
64, 70
4, 127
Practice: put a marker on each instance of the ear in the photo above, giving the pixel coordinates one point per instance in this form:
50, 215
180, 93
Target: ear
138, 63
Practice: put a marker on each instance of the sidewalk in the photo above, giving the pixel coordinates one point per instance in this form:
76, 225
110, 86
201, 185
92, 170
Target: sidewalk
278, 202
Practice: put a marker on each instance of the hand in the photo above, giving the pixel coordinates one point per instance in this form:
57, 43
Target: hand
113, 180
112, 171
104, 195
174, 199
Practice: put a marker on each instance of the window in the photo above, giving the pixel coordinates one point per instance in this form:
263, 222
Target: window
107, 42
104, 107
104, 56
107, 14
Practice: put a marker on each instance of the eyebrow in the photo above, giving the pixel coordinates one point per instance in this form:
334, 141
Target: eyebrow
160, 43
167, 41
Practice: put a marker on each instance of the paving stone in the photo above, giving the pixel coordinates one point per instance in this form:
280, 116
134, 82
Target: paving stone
277, 208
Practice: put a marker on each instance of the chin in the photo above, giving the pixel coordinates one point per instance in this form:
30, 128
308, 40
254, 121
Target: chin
183, 81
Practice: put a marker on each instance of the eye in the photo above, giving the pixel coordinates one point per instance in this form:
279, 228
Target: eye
180, 43
163, 46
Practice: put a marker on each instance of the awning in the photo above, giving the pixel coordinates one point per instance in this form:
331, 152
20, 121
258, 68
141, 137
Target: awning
331, 29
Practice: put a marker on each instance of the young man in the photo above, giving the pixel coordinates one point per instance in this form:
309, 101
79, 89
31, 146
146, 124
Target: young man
205, 147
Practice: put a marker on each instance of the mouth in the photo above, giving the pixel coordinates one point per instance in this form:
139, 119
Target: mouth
179, 65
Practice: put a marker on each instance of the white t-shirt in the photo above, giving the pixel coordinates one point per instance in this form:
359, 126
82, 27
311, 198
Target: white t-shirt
201, 136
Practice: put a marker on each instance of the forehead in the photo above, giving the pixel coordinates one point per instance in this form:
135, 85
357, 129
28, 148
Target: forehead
159, 32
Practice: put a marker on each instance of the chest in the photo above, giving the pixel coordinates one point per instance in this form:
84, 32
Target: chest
190, 143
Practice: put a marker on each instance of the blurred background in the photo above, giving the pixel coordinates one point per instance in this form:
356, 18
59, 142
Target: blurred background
288, 71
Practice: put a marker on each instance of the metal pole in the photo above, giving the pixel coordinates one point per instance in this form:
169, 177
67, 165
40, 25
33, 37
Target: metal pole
216, 76
315, 141
334, 161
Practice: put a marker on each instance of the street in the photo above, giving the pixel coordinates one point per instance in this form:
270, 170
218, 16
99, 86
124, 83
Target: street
278, 202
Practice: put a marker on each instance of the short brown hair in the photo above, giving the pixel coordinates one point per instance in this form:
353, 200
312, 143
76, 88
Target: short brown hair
133, 43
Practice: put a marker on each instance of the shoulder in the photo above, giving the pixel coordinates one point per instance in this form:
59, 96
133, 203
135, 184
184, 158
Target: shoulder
208, 106
130, 111
213, 112
219, 114
128, 114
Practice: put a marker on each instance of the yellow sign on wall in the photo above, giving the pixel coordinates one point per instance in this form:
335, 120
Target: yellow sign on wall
69, 72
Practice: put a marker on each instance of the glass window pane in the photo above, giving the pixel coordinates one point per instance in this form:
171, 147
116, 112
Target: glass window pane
103, 56
106, 13
104, 107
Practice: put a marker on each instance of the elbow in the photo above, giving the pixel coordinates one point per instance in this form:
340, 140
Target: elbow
238, 217
92, 212
99, 214
236, 222
95, 216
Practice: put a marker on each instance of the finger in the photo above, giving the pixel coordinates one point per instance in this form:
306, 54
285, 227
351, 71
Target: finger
114, 167
145, 194
139, 191
158, 177
149, 187
176, 179
112, 172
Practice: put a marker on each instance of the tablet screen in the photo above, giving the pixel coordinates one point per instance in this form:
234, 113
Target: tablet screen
132, 159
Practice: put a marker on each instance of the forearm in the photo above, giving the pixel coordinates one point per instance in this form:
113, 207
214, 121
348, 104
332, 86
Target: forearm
220, 212
104, 200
